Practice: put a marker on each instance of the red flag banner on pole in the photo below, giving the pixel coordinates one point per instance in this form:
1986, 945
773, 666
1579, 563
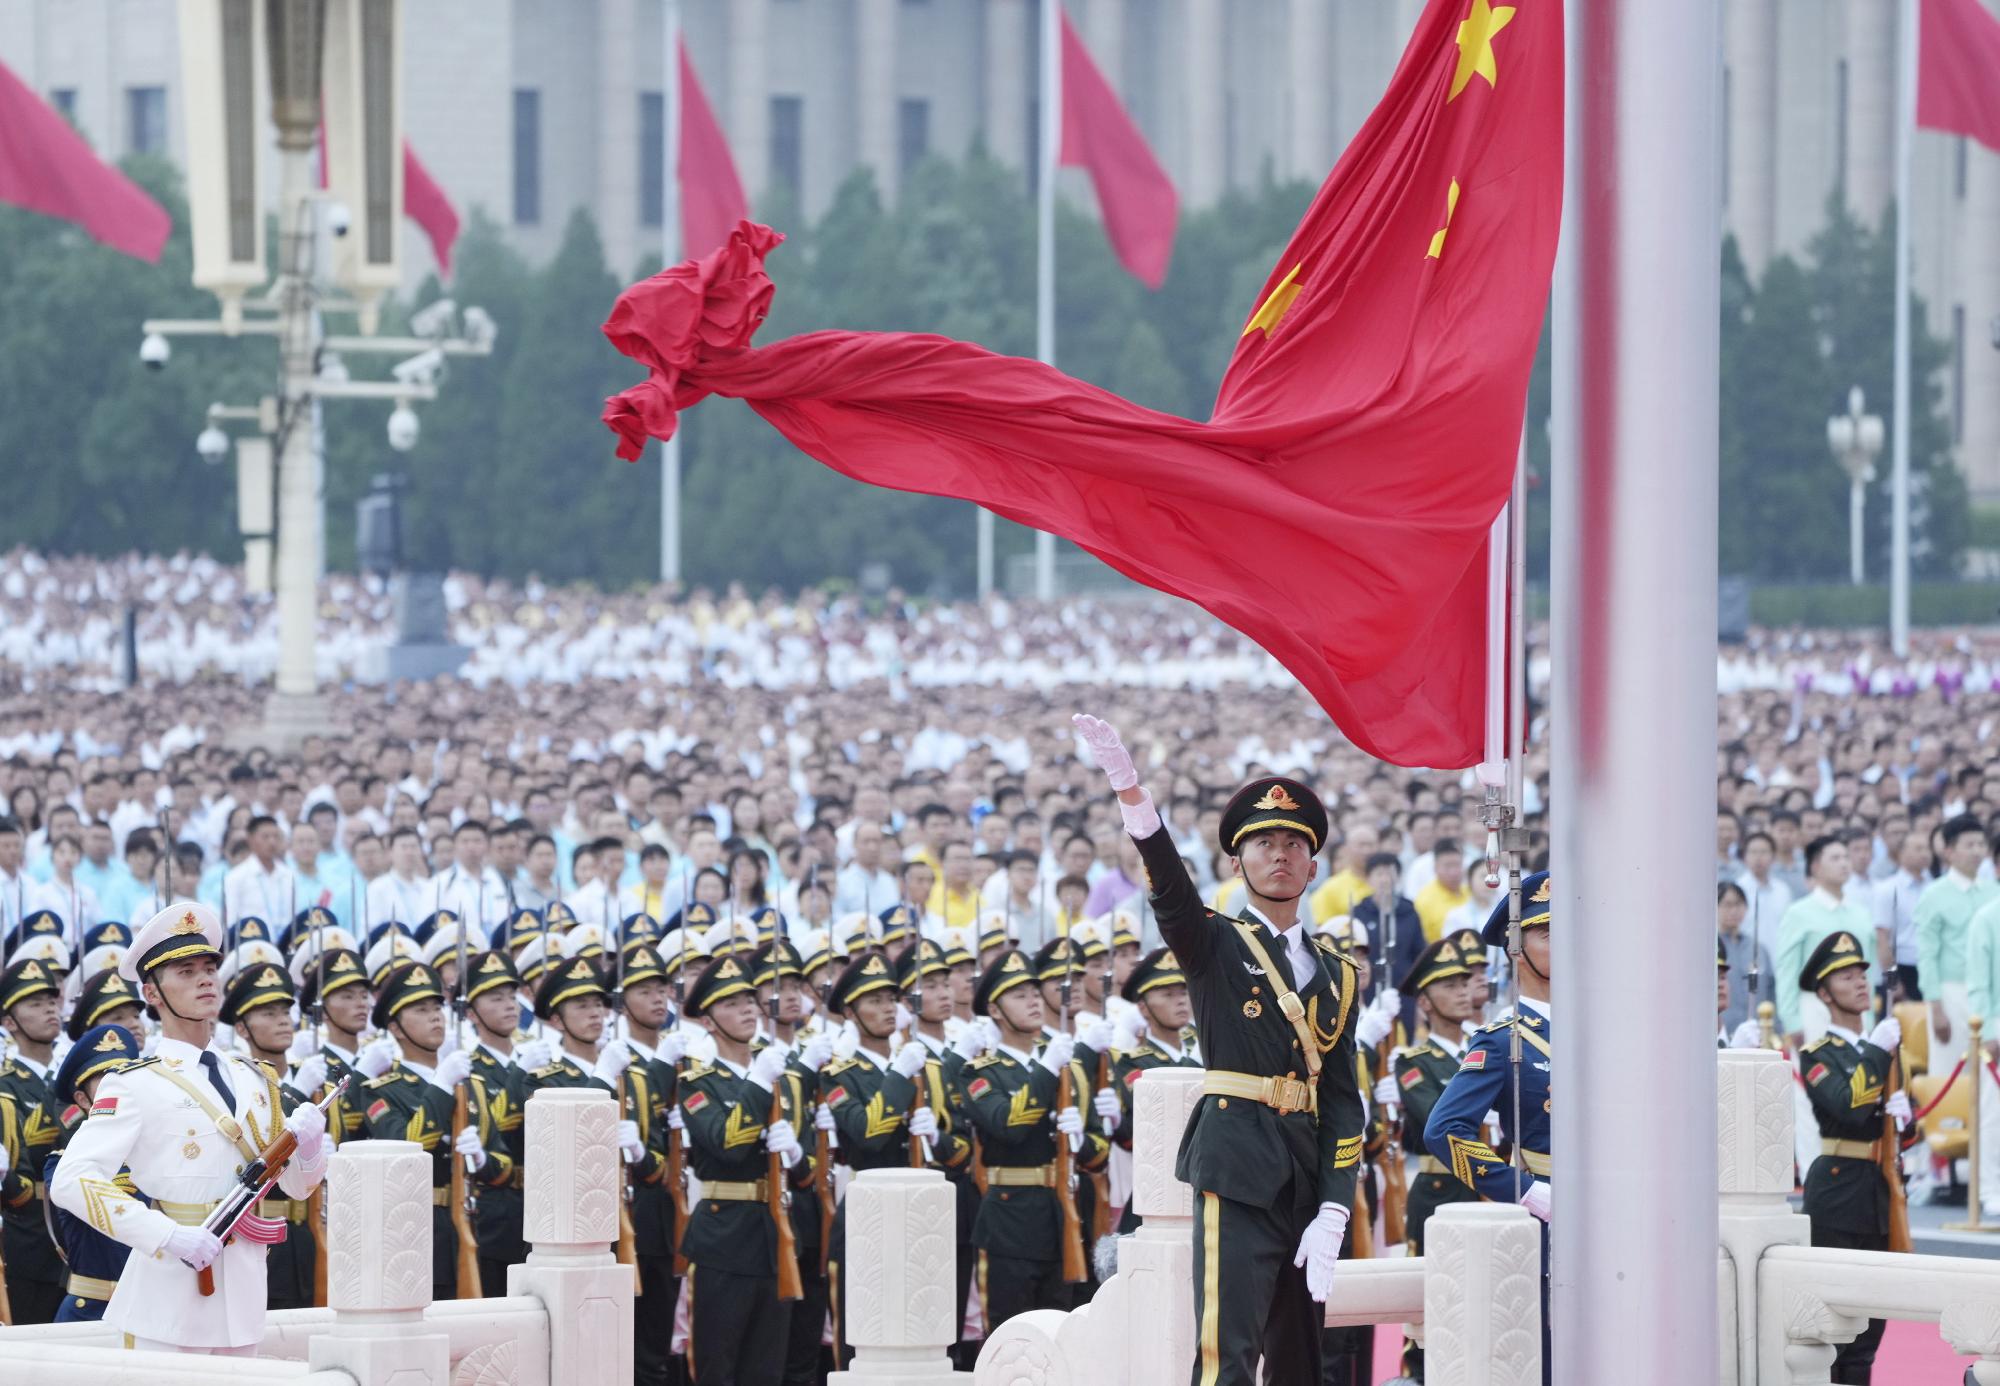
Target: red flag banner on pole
712, 200
1958, 70
1335, 506
47, 167
1134, 193
424, 203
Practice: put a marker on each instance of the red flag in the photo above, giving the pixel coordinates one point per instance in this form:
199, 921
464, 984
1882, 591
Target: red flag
1336, 505
424, 203
1958, 70
1133, 191
47, 167
712, 200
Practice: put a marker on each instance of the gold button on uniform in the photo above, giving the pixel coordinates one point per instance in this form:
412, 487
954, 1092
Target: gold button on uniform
1222, 1102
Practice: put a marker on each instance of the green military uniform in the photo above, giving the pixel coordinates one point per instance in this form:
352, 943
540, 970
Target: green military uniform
405, 1104
738, 1327
1421, 1071
1278, 1132
1012, 1103
650, 1093
498, 1226
346, 1119
101, 998
29, 1131
1154, 972
1847, 1199
290, 1265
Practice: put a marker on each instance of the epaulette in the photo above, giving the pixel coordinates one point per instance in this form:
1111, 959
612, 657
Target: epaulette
841, 1065
548, 1071
987, 1060
133, 1067
386, 1080
695, 1071
14, 1068
268, 1069
1807, 1049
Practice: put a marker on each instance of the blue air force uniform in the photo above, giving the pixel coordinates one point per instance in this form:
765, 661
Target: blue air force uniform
95, 1260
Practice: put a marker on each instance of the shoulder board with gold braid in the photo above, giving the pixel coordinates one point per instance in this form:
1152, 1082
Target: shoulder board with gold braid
695, 1072
987, 1060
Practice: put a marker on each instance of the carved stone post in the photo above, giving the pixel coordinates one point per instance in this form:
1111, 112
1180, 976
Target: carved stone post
571, 1220
1482, 1296
901, 1278
1753, 1148
378, 1265
1159, 1258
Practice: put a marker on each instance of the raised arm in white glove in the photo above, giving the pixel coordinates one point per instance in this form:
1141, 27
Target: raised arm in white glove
376, 1058
818, 1050
1319, 1249
768, 1067
909, 1060
1109, 1112
629, 1144
1535, 1198
470, 1149
452, 1070
1101, 739
195, 1245
923, 1123
612, 1061
1887, 1034
311, 1076
779, 1137
1055, 1058
1898, 1106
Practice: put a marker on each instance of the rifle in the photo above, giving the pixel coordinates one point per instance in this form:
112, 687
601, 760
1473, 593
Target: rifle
1395, 1187
1100, 1213
1892, 1166
823, 1162
676, 1175
462, 1204
778, 1200
628, 1246
1075, 1268
252, 1184
917, 1150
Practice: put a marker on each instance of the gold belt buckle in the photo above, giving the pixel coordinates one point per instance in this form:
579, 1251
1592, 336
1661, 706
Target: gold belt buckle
1287, 1095
1293, 1008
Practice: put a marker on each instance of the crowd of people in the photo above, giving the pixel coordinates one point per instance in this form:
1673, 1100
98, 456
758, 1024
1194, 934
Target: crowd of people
839, 778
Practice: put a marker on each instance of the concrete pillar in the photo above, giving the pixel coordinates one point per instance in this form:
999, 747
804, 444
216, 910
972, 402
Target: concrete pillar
1204, 104
901, 1280
1005, 118
1482, 1296
378, 1265
1978, 274
617, 175
1750, 46
571, 1219
749, 124
1158, 1259
1753, 1147
875, 90
1871, 107
1309, 148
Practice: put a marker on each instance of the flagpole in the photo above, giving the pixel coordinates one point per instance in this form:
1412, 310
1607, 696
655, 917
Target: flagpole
670, 254
1899, 423
1045, 243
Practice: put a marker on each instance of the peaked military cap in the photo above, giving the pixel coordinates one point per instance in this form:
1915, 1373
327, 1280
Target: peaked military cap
489, 970
955, 951
566, 980
26, 978
253, 987
1272, 802
432, 922
186, 929
406, 984
103, 992
723, 978
920, 960
307, 923
1159, 968
1439, 962
559, 915
695, 915
1053, 959
1835, 953
639, 928
523, 925
869, 972
1011, 969
38, 924
898, 923
643, 963
341, 968
775, 960
108, 934
1534, 909
97, 1050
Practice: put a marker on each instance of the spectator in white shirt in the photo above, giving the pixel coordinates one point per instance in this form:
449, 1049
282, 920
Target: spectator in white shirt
538, 888
262, 885
595, 900
863, 885
399, 893
62, 892
14, 882
463, 887
1768, 896
1896, 915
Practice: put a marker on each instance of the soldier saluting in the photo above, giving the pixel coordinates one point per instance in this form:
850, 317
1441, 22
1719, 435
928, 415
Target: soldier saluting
1274, 1147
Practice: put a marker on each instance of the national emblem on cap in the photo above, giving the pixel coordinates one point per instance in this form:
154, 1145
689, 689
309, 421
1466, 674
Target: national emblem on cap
1836, 952
1534, 910
490, 970
103, 992
182, 930
25, 978
867, 973
406, 984
1440, 961
568, 980
1272, 802
1011, 969
1157, 969
723, 978
101, 1049
253, 987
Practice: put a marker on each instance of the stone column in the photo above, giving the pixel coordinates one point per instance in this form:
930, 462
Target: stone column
378, 1266
1753, 1147
1158, 1259
1750, 196
1205, 165
1309, 53
1008, 86
572, 1190
1871, 108
1482, 1296
750, 95
875, 91
901, 1279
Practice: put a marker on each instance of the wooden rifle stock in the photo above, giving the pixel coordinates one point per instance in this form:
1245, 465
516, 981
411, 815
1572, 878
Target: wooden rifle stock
1892, 1167
1100, 1212
1395, 1186
677, 1190
628, 1252
461, 1210
272, 1158
917, 1105
823, 1187
1075, 1269
789, 1287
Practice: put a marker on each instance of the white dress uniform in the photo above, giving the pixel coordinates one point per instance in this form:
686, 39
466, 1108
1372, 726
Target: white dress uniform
151, 1118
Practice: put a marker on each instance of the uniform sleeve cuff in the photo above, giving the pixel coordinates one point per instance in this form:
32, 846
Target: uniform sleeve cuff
1142, 819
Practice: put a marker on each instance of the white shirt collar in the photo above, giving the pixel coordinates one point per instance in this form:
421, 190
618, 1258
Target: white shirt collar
1540, 1008
936, 1046
740, 1070
1851, 1036
1024, 1060
498, 1057
344, 1055
40, 1070
881, 1061
1172, 1051
429, 1075
180, 1050
1452, 1047
1959, 879
1826, 898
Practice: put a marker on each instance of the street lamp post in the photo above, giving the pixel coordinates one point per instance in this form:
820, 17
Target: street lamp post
1856, 440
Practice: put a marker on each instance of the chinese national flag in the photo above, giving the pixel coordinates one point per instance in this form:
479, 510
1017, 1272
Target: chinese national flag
425, 203
712, 201
47, 167
1336, 504
1133, 191
1958, 70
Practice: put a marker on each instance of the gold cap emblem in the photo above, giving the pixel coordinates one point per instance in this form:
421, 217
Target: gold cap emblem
110, 1044
1277, 797
188, 924
1541, 895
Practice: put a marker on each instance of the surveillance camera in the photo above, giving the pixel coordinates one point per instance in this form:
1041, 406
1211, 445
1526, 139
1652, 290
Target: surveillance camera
213, 445
421, 369
403, 427
338, 218
481, 332
154, 351
434, 319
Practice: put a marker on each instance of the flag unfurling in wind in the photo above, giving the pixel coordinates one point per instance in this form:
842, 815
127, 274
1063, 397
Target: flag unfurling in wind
47, 167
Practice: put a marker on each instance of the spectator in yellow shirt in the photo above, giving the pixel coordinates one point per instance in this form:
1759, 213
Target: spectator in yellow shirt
1348, 885
1071, 893
1447, 889
955, 897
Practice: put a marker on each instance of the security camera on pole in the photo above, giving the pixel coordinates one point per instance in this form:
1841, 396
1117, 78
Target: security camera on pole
337, 63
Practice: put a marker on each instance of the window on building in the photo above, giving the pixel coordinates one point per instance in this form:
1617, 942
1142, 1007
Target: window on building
527, 156
913, 133
1840, 123
652, 158
788, 144
1958, 170
64, 100
145, 120
1958, 373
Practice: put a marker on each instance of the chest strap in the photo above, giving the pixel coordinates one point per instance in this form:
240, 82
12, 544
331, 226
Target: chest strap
1288, 1000
225, 1123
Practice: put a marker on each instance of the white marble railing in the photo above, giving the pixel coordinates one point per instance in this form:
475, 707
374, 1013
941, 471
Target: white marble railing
567, 1317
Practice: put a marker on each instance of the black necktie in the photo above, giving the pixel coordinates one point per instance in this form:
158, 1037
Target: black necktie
214, 1066
1283, 960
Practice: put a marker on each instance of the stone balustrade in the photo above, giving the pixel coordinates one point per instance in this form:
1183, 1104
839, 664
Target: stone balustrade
902, 1246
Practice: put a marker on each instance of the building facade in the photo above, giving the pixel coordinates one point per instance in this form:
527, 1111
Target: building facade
532, 108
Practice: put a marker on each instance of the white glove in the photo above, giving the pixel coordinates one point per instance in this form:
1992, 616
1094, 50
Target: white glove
302, 1045
1887, 1034
904, 1020
675, 1119
779, 1137
376, 1058
452, 1070
1319, 1249
989, 1033
1056, 1057
195, 1245
1898, 1106
817, 1053
612, 1062
629, 1143
1126, 1030
1385, 1092
1107, 750
307, 1124
311, 1076
1748, 1035
909, 1060
923, 1122
1069, 1121
1535, 1198
450, 1043
1377, 1020
6, 1162
768, 1067
1109, 1111
470, 1149
823, 1117
1095, 1034
673, 1047
970, 1044
530, 1055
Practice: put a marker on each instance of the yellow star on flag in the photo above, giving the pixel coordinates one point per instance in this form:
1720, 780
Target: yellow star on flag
1475, 45
1450, 206
1273, 309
